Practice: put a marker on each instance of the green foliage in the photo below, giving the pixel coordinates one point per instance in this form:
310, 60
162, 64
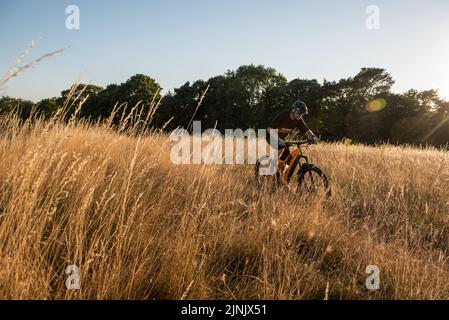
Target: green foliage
246, 98
361, 108
23, 107
81, 91
49, 106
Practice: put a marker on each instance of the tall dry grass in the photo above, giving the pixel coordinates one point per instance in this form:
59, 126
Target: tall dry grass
139, 227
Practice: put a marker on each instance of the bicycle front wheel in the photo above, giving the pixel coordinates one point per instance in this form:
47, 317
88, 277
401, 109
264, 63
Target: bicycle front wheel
312, 180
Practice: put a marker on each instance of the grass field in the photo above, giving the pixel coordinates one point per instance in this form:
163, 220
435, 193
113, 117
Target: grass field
139, 227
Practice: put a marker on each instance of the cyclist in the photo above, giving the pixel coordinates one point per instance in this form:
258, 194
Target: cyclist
286, 122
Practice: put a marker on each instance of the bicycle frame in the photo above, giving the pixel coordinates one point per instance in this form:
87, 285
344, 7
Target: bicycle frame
294, 160
287, 168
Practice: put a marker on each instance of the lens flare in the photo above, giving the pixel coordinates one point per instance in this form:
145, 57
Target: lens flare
376, 105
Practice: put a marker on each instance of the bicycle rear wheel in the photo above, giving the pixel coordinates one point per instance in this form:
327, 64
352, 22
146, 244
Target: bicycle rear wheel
312, 181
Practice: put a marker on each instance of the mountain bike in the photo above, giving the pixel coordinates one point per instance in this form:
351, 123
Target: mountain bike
296, 172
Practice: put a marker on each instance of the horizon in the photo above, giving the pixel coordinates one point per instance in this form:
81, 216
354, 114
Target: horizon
175, 42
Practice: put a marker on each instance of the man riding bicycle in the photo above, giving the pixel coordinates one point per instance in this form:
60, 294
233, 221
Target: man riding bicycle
295, 168
286, 122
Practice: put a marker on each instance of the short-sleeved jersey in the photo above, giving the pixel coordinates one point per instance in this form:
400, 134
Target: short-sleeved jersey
285, 125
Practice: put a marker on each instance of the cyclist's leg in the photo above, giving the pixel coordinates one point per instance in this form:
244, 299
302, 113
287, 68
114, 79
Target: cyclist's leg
283, 152
275, 142
279, 144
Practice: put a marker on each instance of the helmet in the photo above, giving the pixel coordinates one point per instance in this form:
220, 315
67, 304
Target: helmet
299, 109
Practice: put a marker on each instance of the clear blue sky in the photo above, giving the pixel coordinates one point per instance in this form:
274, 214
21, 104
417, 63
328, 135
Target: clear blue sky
179, 40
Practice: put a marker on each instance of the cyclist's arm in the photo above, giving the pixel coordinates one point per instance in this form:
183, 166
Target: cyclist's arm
304, 128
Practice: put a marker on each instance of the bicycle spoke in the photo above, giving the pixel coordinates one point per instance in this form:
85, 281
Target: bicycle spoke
313, 183
311, 178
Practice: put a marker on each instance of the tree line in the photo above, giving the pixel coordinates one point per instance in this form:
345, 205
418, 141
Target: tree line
362, 108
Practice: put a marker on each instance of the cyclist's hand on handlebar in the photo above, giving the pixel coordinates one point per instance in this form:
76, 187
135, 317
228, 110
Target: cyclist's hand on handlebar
314, 139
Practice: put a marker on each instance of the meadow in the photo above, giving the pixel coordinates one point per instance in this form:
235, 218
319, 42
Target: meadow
138, 227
